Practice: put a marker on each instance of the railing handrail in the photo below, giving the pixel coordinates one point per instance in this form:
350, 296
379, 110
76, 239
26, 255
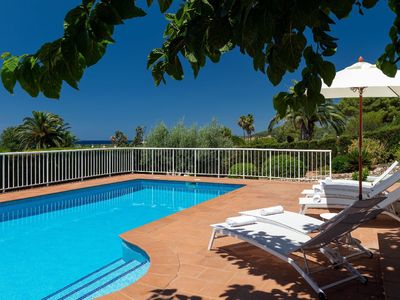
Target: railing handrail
165, 148
33, 168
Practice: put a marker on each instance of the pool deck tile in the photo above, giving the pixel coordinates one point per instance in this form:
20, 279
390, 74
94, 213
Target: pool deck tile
182, 268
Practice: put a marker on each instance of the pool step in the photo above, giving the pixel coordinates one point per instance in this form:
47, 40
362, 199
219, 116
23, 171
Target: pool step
92, 284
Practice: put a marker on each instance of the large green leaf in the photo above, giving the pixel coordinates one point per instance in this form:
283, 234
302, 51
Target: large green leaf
369, 3
390, 69
28, 75
327, 71
51, 85
154, 55
127, 9
8, 75
164, 4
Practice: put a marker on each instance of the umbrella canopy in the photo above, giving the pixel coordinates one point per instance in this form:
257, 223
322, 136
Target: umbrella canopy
362, 75
362, 79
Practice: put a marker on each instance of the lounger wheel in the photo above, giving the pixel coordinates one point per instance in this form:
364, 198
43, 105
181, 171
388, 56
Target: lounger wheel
322, 296
364, 280
370, 254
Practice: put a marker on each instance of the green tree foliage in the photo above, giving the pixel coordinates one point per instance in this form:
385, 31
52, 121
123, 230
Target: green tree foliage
88, 30
119, 139
214, 135
326, 115
272, 33
43, 130
8, 139
158, 137
139, 136
388, 107
210, 136
371, 121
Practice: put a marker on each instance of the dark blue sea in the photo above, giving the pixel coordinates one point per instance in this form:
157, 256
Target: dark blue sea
94, 142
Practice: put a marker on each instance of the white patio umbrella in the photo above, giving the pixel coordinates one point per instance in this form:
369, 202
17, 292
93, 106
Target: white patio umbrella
362, 80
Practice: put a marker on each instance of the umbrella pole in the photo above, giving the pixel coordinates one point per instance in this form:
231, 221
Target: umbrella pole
360, 140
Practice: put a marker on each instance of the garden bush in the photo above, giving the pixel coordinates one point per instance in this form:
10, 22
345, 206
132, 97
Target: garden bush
375, 150
365, 173
340, 164
396, 154
353, 159
285, 166
237, 170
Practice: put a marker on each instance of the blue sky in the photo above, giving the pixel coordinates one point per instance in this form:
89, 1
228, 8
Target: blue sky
119, 93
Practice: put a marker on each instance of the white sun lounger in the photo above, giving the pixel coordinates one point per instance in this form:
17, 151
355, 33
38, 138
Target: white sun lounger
365, 183
339, 196
285, 243
319, 188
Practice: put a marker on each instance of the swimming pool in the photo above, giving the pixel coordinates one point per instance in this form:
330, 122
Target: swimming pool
67, 245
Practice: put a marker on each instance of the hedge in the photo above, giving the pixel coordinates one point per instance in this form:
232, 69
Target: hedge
285, 166
237, 170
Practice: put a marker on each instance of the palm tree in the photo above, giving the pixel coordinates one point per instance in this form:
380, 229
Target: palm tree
326, 114
43, 130
242, 124
247, 124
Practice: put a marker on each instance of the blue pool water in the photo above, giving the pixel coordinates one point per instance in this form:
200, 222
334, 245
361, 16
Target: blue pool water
67, 245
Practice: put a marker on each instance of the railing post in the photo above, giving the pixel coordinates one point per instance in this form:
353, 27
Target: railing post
82, 165
173, 161
47, 168
298, 164
219, 164
330, 163
110, 162
152, 161
195, 162
243, 168
3, 172
132, 150
270, 164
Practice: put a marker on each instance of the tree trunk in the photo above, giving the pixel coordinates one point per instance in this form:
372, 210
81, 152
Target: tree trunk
307, 132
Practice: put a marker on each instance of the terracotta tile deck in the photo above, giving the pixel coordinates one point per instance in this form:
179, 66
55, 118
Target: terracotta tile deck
182, 268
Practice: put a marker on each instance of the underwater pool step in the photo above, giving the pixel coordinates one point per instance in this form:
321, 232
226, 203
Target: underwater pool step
95, 281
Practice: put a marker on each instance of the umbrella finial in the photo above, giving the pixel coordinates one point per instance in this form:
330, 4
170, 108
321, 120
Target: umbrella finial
360, 59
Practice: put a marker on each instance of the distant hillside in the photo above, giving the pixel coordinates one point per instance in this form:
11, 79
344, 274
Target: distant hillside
263, 133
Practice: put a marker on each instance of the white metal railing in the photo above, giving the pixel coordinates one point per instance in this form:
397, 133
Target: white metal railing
26, 169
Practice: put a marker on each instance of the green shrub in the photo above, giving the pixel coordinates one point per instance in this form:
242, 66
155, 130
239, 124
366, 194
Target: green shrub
365, 173
353, 159
237, 170
340, 164
396, 153
375, 150
263, 142
238, 141
285, 166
